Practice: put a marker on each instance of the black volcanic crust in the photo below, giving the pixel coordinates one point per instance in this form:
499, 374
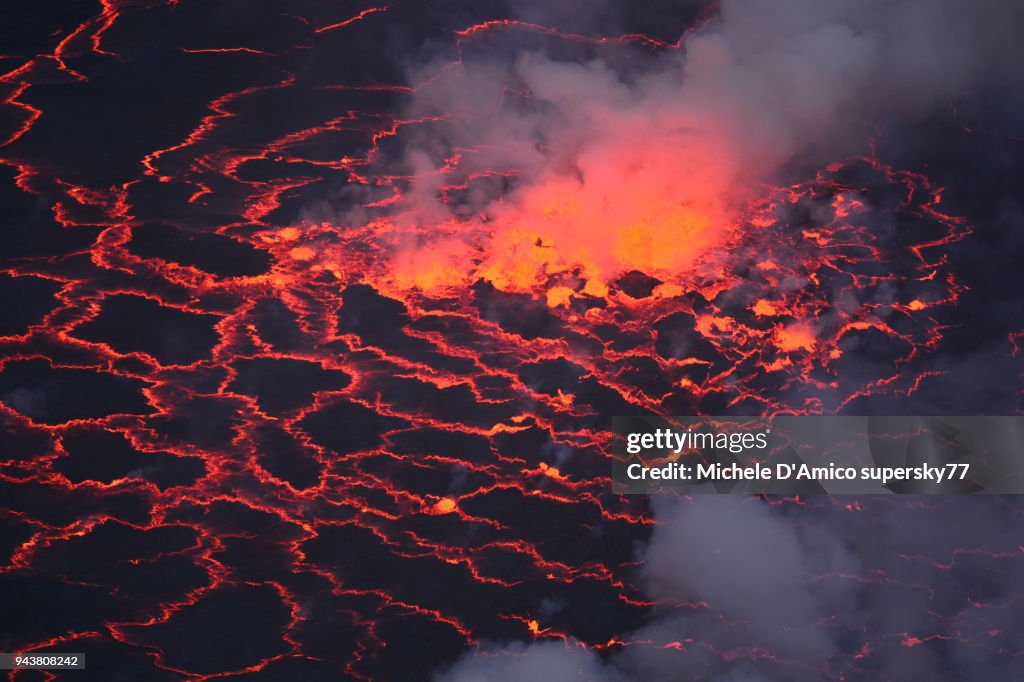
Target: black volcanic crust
283, 384
213, 253
136, 324
27, 300
636, 284
53, 395
96, 454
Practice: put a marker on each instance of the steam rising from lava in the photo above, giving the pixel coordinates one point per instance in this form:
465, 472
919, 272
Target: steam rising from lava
745, 590
613, 158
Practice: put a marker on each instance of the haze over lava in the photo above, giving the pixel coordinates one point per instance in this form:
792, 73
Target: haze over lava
526, 160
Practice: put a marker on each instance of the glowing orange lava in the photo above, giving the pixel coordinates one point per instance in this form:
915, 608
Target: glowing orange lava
659, 204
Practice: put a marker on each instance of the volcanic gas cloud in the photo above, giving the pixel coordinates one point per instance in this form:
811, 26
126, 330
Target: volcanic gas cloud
528, 163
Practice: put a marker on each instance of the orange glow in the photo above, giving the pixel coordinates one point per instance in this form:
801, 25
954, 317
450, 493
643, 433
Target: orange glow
595, 287
708, 324
551, 472
796, 337
634, 202
431, 269
302, 253
763, 307
557, 296
445, 505
631, 215
667, 291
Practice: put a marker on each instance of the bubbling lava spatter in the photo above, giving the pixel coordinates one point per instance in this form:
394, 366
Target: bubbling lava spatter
278, 431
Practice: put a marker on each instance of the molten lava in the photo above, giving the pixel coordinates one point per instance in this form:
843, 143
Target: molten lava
646, 205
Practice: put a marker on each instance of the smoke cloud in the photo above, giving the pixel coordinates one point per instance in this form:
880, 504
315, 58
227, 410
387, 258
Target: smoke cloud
611, 158
543, 661
753, 591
